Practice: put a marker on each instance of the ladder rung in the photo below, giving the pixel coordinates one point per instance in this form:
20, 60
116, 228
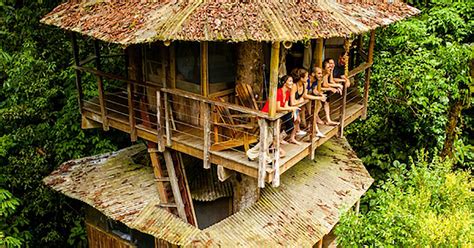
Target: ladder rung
163, 179
168, 205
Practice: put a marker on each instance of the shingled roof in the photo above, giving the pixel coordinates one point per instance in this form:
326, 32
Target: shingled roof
133, 22
300, 212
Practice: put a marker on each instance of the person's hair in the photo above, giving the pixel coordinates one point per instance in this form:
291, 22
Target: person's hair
283, 80
314, 68
298, 74
342, 54
326, 61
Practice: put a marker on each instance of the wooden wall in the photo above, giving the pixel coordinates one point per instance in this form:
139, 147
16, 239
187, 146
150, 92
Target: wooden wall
99, 238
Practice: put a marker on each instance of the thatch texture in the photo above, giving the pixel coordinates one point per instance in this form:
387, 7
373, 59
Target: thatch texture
132, 22
305, 207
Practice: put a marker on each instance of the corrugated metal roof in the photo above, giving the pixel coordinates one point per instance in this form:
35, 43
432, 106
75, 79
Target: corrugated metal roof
132, 22
204, 184
305, 207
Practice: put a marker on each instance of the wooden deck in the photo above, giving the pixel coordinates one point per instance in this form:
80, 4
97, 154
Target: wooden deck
189, 140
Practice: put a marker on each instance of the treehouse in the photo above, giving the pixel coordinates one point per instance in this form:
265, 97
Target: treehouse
194, 77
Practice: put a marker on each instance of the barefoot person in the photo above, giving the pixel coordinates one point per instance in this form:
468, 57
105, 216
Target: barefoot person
283, 97
330, 88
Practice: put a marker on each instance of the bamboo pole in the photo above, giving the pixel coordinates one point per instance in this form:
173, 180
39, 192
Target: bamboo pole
205, 68
347, 46
370, 60
75, 52
274, 61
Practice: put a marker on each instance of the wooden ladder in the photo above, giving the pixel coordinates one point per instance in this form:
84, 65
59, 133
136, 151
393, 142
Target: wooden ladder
171, 181
172, 185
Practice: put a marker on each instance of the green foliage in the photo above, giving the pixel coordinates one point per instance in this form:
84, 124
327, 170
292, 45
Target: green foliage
40, 125
426, 204
10, 235
421, 67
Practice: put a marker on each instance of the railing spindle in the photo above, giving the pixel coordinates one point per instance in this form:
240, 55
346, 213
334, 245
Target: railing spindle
276, 153
161, 146
206, 111
167, 121
262, 159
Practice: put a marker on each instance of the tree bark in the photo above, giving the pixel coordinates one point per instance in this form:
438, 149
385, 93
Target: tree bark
453, 119
246, 192
250, 59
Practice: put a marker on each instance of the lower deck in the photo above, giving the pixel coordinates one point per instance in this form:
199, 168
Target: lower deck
187, 135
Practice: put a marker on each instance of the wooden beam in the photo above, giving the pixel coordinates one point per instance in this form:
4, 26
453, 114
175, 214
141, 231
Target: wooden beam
370, 60
75, 52
318, 53
223, 173
204, 68
206, 111
131, 112
167, 120
274, 64
276, 153
262, 159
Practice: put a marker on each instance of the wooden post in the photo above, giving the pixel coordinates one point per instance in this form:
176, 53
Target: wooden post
75, 52
318, 52
204, 68
276, 153
262, 159
131, 103
357, 207
206, 111
167, 121
347, 46
370, 60
159, 123
274, 61
100, 86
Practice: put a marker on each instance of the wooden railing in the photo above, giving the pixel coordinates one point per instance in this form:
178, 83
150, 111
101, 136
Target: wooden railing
212, 118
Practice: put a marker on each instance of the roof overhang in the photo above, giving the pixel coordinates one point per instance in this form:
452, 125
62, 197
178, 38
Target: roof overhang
132, 22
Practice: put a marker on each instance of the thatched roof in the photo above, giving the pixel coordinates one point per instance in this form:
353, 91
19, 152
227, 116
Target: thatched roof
305, 207
132, 22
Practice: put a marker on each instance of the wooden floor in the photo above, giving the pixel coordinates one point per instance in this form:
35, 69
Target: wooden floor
189, 141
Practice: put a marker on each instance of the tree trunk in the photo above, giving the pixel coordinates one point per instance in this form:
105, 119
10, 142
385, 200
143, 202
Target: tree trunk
250, 58
246, 192
453, 119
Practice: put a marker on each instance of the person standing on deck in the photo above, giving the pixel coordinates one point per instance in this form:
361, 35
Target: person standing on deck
282, 98
316, 78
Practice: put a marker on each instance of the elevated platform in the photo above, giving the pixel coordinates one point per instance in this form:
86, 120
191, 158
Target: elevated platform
189, 138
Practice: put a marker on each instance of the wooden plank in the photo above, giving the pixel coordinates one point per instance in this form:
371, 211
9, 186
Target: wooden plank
276, 153
318, 53
370, 60
226, 105
75, 51
174, 185
274, 64
103, 109
206, 111
159, 123
204, 69
262, 158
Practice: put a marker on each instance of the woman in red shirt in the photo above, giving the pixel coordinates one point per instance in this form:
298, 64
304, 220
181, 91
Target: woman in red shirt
282, 98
